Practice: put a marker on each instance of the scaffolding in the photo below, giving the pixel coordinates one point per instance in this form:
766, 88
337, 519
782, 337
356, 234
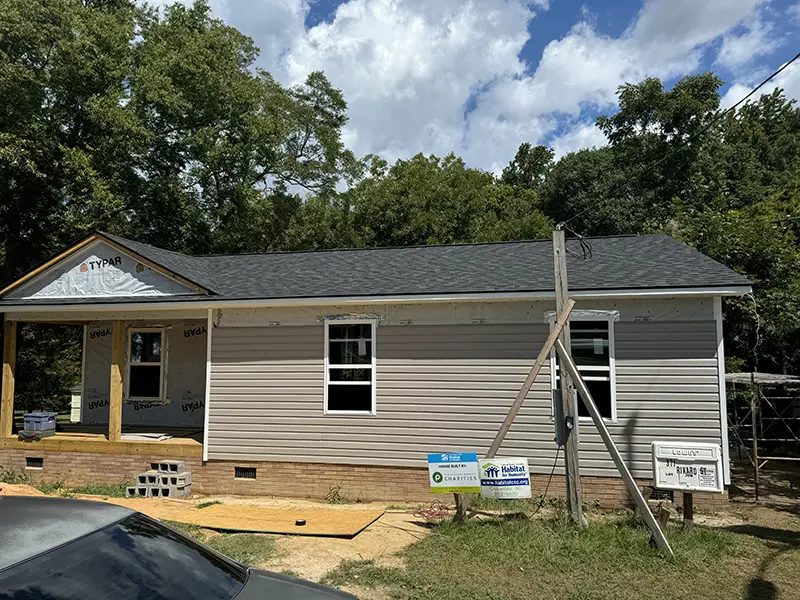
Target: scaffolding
764, 415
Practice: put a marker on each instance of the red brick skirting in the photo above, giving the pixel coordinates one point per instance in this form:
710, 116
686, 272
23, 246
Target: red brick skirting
296, 480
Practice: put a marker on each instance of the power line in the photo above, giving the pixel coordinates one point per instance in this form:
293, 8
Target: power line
687, 141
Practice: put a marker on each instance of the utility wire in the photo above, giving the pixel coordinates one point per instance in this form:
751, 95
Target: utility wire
687, 141
586, 247
547, 487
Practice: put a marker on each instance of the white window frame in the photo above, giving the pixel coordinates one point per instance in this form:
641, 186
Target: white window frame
372, 365
611, 317
161, 364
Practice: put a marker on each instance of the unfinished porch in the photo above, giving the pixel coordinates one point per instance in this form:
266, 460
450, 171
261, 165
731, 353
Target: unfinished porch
129, 402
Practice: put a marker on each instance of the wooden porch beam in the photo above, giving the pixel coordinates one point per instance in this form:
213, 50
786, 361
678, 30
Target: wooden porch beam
115, 393
9, 373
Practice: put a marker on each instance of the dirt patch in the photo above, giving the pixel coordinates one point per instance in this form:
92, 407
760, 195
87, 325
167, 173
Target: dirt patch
312, 558
18, 489
363, 593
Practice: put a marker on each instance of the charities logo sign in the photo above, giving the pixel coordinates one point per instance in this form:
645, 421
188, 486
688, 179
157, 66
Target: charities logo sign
454, 473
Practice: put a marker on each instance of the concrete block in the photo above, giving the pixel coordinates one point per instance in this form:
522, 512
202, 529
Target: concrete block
143, 491
130, 492
179, 479
171, 491
172, 466
181, 491
147, 478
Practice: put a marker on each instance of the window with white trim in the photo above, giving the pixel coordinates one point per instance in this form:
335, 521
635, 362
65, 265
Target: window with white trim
350, 367
592, 339
145, 376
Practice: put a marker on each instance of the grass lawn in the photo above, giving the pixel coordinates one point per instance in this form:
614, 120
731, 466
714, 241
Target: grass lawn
251, 549
516, 559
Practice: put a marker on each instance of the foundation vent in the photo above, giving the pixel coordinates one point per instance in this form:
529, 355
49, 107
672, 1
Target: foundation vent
244, 472
34, 463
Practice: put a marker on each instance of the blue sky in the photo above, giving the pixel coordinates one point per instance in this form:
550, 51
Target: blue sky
478, 77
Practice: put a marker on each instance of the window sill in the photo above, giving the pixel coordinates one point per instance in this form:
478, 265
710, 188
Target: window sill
338, 413
590, 420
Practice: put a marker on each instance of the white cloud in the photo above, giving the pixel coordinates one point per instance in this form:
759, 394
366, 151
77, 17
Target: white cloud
275, 26
584, 69
740, 49
673, 29
736, 92
788, 81
581, 135
410, 68
794, 12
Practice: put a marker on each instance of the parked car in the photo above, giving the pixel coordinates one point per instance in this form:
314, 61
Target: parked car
63, 549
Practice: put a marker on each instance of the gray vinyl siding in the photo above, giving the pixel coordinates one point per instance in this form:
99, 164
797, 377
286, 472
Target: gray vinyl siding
448, 388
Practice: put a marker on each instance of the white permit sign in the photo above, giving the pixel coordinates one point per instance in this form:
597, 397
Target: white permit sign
687, 466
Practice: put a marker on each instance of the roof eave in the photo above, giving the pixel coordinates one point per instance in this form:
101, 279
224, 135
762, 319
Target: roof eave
220, 302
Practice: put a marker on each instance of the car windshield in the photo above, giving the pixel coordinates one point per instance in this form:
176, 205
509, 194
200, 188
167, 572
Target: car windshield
136, 558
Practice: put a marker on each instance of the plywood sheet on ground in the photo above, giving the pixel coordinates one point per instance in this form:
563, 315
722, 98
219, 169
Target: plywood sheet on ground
255, 519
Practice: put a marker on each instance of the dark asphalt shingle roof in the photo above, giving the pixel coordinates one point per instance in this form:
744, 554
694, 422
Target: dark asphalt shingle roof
623, 262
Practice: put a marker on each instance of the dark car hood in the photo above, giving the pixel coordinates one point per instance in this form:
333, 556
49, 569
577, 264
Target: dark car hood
263, 585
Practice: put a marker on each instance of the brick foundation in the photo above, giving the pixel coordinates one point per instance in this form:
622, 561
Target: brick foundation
298, 480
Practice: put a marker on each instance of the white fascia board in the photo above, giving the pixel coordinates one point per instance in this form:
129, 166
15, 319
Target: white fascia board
410, 299
723, 403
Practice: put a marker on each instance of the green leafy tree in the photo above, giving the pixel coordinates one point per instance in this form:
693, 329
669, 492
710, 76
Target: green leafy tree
728, 188
431, 200
153, 125
227, 141
530, 166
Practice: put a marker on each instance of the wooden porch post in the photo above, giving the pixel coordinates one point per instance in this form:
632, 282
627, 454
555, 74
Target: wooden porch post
9, 372
115, 393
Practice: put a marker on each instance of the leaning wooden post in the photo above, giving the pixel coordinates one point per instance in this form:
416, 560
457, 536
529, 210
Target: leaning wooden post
9, 373
115, 391
544, 355
630, 482
571, 465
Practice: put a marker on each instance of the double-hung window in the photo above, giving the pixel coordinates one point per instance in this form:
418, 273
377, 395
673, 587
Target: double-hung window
592, 338
145, 380
350, 367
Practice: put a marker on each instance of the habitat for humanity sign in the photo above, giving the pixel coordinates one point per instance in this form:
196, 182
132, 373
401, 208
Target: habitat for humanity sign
505, 478
454, 472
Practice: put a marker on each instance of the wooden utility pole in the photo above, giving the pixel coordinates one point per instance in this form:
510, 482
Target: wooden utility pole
571, 467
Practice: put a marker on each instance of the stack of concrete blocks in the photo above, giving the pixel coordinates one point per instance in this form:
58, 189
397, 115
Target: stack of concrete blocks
165, 479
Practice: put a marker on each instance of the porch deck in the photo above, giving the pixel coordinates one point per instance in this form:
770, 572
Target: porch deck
190, 446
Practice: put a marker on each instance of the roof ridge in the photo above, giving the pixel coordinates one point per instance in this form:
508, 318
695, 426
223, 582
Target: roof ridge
159, 248
449, 245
